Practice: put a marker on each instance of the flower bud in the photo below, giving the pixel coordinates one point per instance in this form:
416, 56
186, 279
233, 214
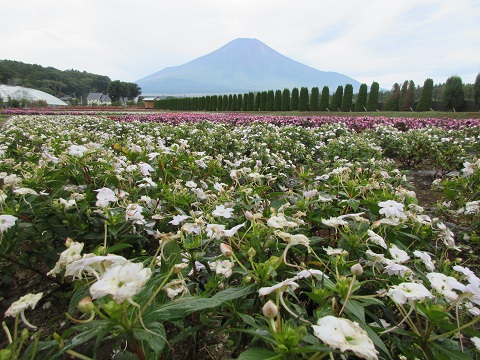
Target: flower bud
226, 249
68, 242
357, 269
251, 252
86, 305
270, 310
248, 215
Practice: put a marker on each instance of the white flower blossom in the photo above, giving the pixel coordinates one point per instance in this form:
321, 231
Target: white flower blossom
398, 255
376, 239
345, 335
408, 291
177, 219
392, 209
426, 259
223, 211
122, 282
6, 222
77, 150
105, 196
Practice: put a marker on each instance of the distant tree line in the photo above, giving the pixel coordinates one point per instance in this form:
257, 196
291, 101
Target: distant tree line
74, 83
453, 95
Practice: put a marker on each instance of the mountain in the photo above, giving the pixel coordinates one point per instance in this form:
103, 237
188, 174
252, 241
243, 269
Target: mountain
240, 66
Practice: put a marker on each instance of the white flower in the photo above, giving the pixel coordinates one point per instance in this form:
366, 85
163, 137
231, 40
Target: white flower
145, 168
334, 252
472, 207
214, 231
105, 196
71, 254
280, 221
468, 169
223, 211
122, 282
393, 268
447, 235
177, 219
345, 335
6, 222
476, 342
392, 209
310, 194
134, 212
92, 264
425, 257
22, 304
77, 150
191, 184
408, 291
444, 285
471, 277
334, 222
222, 267
175, 287
25, 191
398, 255
282, 286
232, 231
376, 239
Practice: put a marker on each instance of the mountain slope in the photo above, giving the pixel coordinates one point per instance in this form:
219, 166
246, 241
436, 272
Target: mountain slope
242, 65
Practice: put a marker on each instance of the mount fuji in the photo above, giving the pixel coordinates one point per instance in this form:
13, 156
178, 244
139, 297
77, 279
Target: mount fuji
240, 66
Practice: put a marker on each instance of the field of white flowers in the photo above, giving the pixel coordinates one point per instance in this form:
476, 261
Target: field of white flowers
174, 236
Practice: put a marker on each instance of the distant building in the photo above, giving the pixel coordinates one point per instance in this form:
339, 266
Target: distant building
149, 101
98, 99
20, 93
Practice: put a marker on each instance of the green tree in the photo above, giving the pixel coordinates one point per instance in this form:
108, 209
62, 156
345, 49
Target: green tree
277, 105
270, 100
314, 98
347, 98
116, 90
303, 99
337, 99
263, 100
360, 104
234, 103
258, 98
251, 101
324, 99
392, 103
295, 99
240, 102
408, 98
133, 90
286, 100
372, 102
476, 94
454, 95
425, 102
403, 91
245, 102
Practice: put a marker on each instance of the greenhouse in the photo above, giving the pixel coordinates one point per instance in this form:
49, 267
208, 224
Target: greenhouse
22, 93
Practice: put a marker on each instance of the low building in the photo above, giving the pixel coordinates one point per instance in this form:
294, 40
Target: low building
149, 101
98, 99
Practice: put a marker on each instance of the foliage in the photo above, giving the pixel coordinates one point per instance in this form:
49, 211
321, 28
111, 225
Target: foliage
264, 231
393, 100
425, 102
303, 100
324, 99
50, 80
361, 101
277, 106
454, 96
407, 99
347, 98
286, 100
314, 99
294, 100
372, 102
336, 102
477, 90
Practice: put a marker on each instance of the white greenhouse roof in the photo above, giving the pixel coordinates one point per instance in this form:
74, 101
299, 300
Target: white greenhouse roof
20, 92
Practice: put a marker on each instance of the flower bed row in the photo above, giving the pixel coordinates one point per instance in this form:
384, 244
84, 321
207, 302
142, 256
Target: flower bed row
258, 240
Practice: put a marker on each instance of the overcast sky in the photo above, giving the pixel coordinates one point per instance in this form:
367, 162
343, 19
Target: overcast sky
386, 41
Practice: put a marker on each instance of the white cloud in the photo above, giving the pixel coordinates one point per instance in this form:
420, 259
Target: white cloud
379, 40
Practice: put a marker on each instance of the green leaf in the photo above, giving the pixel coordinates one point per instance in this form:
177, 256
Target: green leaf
257, 354
442, 352
154, 337
117, 247
76, 297
188, 305
356, 309
171, 256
